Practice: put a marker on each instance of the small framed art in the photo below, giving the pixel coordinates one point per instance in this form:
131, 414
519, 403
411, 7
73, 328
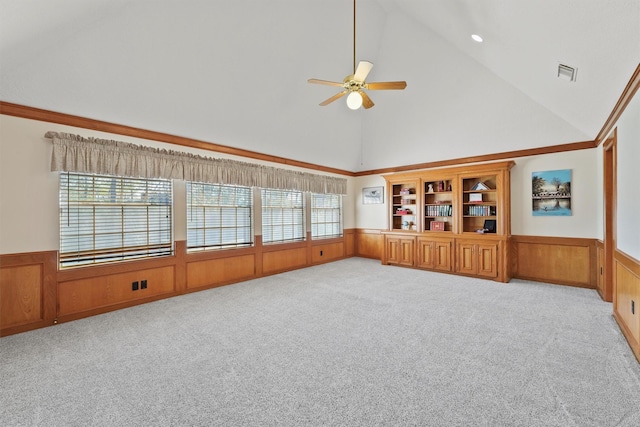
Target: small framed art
372, 195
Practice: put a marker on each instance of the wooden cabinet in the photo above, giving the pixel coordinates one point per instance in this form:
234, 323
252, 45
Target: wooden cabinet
433, 253
399, 250
456, 219
477, 258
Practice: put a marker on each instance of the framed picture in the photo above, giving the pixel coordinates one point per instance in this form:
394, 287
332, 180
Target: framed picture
372, 195
551, 193
489, 226
475, 197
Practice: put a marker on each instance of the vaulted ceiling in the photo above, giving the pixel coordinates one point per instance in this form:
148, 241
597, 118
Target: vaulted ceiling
234, 72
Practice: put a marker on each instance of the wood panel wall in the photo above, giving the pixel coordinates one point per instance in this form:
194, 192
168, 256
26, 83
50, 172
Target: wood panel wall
626, 303
27, 291
600, 282
94, 293
561, 260
216, 272
35, 294
369, 243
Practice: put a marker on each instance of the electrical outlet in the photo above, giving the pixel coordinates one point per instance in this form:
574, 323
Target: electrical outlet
143, 284
134, 286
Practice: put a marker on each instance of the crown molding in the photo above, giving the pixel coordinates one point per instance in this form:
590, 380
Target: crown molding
626, 97
32, 113
485, 158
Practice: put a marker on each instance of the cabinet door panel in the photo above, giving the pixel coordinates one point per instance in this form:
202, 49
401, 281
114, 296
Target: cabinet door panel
425, 254
487, 260
406, 252
442, 256
391, 249
466, 262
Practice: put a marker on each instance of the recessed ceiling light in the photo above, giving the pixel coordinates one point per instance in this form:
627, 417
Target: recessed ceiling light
476, 38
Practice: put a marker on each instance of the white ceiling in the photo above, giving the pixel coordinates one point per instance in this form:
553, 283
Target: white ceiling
234, 72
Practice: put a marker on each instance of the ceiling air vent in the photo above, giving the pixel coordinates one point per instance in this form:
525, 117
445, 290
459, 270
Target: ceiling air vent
567, 73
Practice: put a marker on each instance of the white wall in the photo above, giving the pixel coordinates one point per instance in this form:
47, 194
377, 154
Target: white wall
29, 190
586, 195
586, 219
370, 216
628, 194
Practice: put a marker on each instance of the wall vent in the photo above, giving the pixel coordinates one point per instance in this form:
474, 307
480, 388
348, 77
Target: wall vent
567, 72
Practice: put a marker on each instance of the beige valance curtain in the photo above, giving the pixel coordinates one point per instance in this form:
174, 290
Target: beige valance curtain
74, 153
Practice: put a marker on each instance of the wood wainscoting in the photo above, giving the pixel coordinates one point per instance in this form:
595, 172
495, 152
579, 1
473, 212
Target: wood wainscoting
27, 291
91, 290
231, 266
562, 260
626, 298
369, 243
35, 294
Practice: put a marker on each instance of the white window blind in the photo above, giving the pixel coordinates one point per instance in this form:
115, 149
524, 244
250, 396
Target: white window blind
282, 216
326, 215
108, 218
218, 216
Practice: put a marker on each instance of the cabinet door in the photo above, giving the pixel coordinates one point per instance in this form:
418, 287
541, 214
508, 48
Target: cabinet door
466, 258
442, 256
425, 254
487, 254
406, 252
399, 250
392, 250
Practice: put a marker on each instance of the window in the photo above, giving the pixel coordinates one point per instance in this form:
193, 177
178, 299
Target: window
108, 218
282, 216
326, 213
218, 216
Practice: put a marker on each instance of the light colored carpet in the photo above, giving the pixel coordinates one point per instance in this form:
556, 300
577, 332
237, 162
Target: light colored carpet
351, 343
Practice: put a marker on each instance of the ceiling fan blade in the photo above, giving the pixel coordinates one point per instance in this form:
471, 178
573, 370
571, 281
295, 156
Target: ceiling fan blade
325, 82
333, 98
366, 101
386, 85
364, 67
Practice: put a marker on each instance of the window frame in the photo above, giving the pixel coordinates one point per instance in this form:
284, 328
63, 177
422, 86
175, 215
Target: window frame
100, 232
275, 216
216, 212
319, 216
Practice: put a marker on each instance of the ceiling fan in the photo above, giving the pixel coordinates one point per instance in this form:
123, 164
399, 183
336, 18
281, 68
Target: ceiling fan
354, 85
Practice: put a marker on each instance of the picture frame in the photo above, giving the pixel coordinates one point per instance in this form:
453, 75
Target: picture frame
489, 226
372, 195
551, 193
475, 197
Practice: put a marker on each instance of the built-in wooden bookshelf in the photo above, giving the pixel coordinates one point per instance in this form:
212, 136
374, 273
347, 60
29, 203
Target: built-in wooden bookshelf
438, 205
451, 219
404, 205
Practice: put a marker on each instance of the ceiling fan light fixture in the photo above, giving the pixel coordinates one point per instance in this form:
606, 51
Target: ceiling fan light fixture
354, 86
354, 100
